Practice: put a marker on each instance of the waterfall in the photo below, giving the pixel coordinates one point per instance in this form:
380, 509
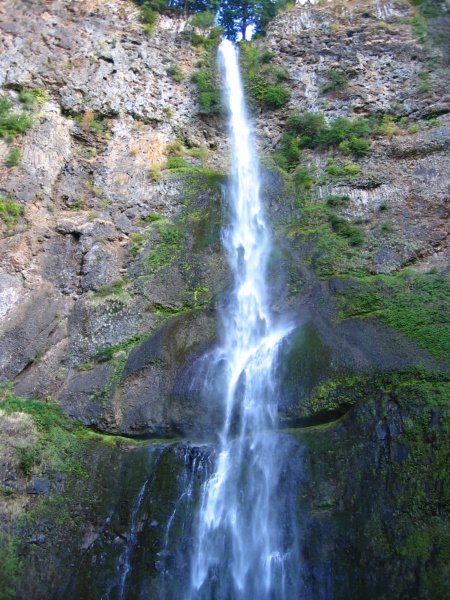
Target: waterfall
242, 547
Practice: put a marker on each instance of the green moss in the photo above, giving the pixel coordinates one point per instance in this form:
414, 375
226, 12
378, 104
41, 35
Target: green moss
117, 354
378, 480
335, 239
415, 303
108, 352
10, 212
166, 248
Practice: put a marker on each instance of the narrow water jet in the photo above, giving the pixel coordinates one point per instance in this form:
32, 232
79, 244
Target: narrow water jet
242, 546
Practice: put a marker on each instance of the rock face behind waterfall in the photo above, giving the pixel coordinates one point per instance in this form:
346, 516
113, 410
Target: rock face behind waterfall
111, 270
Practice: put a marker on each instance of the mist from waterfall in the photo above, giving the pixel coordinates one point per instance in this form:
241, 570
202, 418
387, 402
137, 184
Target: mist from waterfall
243, 548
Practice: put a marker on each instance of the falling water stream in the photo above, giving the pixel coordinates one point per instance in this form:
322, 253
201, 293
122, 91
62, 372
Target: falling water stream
227, 530
241, 549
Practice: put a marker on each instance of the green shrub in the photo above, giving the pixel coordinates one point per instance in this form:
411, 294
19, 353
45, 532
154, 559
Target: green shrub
149, 17
345, 170
351, 136
337, 81
387, 126
175, 73
197, 39
32, 97
12, 123
203, 20
343, 228
342, 129
208, 94
279, 74
356, 146
288, 154
337, 201
266, 56
303, 180
276, 97
261, 82
10, 212
420, 27
210, 41
13, 158
307, 126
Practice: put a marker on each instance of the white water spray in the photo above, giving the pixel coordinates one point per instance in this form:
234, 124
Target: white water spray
240, 548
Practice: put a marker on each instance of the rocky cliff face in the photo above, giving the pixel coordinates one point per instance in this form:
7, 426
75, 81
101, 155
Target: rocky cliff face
111, 264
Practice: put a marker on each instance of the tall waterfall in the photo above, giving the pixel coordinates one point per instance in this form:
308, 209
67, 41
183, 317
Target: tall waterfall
243, 549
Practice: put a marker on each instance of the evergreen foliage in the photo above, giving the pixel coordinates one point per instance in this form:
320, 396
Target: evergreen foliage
235, 16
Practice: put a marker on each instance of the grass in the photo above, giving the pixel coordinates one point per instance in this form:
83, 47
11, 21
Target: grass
12, 123
57, 448
10, 212
417, 304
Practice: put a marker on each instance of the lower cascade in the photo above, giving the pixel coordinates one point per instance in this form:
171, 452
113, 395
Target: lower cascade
240, 548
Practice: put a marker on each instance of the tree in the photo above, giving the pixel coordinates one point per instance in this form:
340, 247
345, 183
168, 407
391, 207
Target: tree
236, 16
